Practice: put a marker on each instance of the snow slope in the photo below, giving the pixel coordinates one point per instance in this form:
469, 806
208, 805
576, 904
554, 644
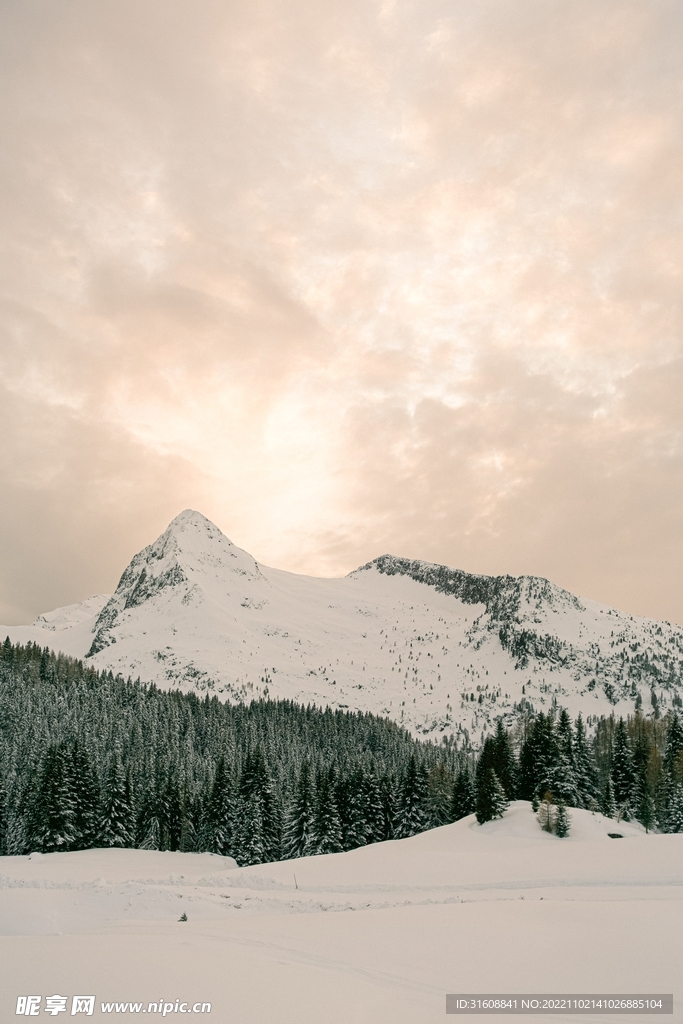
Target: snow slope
436, 649
378, 934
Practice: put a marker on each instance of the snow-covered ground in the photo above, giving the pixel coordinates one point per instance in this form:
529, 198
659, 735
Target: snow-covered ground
432, 648
380, 934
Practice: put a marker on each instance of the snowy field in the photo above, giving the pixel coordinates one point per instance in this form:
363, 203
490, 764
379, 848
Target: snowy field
378, 934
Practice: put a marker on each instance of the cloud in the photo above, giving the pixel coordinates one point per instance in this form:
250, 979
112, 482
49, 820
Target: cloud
348, 278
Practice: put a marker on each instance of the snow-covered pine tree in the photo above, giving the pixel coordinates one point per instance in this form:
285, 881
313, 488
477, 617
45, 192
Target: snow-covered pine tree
328, 833
411, 815
564, 783
462, 803
86, 793
526, 777
148, 830
217, 826
251, 845
350, 798
674, 748
540, 758
151, 834
53, 807
674, 818
562, 821
374, 811
171, 807
585, 769
16, 841
607, 803
646, 811
641, 758
491, 801
116, 821
251, 833
4, 812
439, 795
673, 762
503, 761
500, 802
623, 775
299, 832
188, 831
387, 794
485, 762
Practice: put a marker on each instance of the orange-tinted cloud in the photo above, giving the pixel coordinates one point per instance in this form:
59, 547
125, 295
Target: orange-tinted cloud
349, 278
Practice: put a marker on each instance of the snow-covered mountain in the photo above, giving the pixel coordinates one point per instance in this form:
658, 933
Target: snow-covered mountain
435, 649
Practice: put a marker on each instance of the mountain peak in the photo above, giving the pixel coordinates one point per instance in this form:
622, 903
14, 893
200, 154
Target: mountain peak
189, 518
192, 557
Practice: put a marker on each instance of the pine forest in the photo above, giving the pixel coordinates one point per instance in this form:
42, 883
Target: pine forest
88, 759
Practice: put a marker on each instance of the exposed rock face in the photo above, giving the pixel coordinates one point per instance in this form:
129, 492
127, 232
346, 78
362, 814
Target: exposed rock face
189, 545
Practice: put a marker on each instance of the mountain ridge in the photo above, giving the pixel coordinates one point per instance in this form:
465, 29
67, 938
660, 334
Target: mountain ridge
437, 649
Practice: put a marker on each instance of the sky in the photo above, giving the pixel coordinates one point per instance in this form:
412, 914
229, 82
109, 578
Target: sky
348, 278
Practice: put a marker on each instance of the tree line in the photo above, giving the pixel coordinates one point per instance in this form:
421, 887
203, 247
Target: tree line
630, 768
89, 759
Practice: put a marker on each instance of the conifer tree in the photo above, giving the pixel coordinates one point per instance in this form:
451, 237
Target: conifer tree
374, 810
411, 817
486, 761
299, 834
258, 810
150, 838
565, 738
16, 834
172, 804
674, 747
586, 772
646, 811
148, 825
387, 794
217, 828
607, 803
491, 801
462, 803
641, 758
357, 822
439, 795
562, 822
188, 831
328, 834
672, 767
86, 797
251, 845
116, 822
51, 821
623, 775
350, 799
564, 784
4, 814
503, 761
540, 759
674, 819
526, 780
